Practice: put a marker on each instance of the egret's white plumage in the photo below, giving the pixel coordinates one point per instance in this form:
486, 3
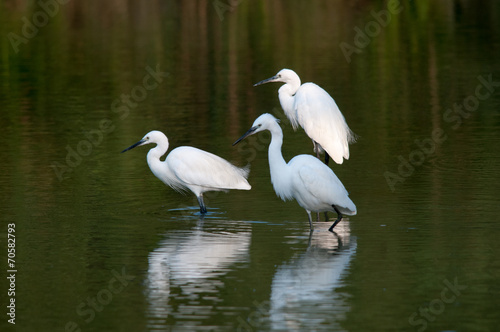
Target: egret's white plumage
190, 168
304, 178
311, 107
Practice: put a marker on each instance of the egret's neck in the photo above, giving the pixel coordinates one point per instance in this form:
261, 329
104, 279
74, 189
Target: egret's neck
155, 154
287, 100
277, 164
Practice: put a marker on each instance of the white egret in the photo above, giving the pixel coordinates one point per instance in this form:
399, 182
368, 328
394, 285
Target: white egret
190, 168
311, 107
306, 179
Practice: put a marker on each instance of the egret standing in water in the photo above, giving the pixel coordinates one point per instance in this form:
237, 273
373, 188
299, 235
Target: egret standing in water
306, 179
190, 168
311, 107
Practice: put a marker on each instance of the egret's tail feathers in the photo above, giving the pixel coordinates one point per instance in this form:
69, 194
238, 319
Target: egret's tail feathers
339, 159
349, 208
350, 213
244, 171
351, 136
245, 186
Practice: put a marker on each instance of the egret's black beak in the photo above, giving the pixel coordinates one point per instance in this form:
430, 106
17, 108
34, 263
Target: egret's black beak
141, 142
267, 80
248, 133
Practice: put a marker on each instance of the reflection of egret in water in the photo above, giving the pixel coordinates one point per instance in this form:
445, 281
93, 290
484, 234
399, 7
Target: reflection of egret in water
303, 292
184, 274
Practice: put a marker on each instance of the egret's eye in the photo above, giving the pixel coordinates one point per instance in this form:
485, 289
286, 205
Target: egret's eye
147, 138
259, 125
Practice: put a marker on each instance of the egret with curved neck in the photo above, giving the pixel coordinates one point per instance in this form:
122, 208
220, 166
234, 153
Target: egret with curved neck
311, 107
190, 168
304, 178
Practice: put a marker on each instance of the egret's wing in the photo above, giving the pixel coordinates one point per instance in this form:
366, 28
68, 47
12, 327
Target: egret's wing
320, 181
197, 167
322, 121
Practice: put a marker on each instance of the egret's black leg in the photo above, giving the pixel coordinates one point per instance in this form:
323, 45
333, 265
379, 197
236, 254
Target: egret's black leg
203, 208
310, 220
318, 219
339, 218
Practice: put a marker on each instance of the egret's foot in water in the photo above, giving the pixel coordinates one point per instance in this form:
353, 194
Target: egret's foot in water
339, 218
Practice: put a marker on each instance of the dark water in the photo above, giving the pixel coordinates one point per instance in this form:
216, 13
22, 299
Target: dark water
102, 245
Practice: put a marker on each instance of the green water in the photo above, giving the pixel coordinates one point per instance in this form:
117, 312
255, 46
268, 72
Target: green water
102, 245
